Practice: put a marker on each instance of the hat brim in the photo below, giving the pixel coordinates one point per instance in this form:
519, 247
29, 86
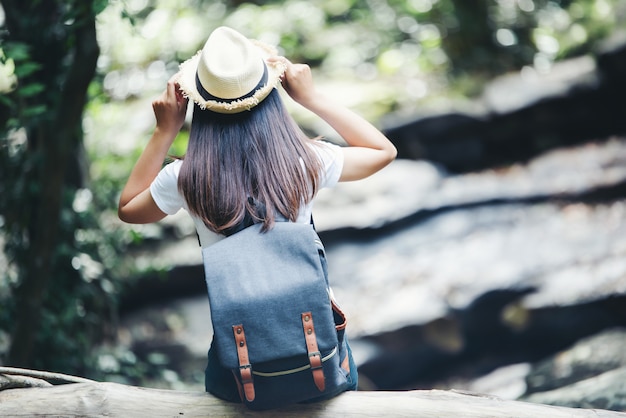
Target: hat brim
186, 79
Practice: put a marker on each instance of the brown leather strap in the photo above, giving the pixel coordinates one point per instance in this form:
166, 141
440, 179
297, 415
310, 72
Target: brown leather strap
245, 369
315, 357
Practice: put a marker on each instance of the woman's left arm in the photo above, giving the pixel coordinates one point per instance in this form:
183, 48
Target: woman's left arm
136, 204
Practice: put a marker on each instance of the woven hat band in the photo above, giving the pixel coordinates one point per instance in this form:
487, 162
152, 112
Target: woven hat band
208, 96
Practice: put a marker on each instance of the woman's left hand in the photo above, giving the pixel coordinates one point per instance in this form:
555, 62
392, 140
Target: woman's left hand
297, 81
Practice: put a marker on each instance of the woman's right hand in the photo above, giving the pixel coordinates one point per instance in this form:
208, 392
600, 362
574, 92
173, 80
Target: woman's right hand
136, 204
170, 108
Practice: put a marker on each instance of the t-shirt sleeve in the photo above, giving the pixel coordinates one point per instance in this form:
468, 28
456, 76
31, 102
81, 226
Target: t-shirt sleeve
164, 189
332, 161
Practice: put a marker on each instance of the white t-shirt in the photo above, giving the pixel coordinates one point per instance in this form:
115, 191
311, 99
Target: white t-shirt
164, 188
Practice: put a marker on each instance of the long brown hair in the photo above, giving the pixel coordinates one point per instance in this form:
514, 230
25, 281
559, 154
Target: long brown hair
260, 154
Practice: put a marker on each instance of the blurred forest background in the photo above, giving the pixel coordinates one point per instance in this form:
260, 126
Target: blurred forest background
76, 81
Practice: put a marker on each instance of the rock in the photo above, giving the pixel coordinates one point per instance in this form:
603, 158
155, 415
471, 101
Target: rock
586, 359
393, 193
468, 280
605, 391
583, 102
513, 91
495, 330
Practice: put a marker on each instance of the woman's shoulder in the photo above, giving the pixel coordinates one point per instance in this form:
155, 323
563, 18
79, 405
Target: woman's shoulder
171, 168
167, 179
174, 163
164, 188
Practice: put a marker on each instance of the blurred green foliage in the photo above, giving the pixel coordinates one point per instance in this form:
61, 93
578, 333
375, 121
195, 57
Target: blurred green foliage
56, 293
398, 41
378, 56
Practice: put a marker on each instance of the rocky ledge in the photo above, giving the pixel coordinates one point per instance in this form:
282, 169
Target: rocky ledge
504, 277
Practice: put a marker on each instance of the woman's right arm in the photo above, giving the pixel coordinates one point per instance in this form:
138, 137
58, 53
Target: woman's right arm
136, 204
369, 149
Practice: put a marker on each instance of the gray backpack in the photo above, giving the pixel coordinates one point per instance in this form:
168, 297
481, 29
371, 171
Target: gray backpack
275, 323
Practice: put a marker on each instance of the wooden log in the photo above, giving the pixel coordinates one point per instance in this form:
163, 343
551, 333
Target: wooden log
12, 382
116, 400
43, 375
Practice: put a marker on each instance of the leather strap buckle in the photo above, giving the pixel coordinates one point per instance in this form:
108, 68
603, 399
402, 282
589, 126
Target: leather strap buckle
316, 363
245, 368
315, 357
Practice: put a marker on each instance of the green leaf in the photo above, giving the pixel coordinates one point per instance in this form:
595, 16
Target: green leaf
16, 50
26, 68
99, 6
35, 111
4, 100
30, 90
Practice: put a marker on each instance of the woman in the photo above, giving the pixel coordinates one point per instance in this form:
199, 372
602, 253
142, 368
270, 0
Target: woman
247, 161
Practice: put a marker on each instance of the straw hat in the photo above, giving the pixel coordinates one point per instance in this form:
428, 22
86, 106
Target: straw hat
231, 73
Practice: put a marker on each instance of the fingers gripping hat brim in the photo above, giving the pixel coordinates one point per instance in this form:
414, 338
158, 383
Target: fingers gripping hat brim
192, 88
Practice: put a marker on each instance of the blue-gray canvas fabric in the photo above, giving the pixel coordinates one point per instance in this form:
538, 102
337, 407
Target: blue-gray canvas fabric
265, 281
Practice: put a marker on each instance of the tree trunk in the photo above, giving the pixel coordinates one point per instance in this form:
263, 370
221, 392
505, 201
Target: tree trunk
54, 141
